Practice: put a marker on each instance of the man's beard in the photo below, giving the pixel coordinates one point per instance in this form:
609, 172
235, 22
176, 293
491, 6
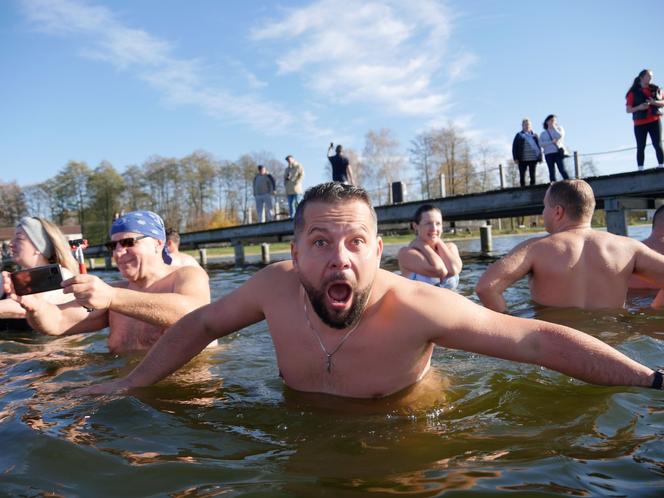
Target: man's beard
335, 320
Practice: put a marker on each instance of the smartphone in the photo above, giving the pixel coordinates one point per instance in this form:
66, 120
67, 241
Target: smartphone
38, 279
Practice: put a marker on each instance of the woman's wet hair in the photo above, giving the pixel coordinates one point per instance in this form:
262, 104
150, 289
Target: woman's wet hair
546, 121
331, 193
424, 208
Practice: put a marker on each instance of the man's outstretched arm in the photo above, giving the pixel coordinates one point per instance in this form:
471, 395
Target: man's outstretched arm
566, 350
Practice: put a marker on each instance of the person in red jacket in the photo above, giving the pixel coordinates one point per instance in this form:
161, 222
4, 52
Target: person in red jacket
644, 102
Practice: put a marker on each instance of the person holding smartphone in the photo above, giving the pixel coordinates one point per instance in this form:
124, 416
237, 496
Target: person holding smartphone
36, 242
137, 310
644, 102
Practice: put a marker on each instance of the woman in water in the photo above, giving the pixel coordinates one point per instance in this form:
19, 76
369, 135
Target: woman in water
427, 258
644, 102
37, 242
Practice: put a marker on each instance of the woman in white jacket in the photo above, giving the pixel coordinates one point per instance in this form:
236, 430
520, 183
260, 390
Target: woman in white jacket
551, 140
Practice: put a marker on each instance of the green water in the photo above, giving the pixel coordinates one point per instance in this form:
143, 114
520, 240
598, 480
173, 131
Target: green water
226, 426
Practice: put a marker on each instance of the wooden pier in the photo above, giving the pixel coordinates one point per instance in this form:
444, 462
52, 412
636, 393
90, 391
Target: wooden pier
616, 194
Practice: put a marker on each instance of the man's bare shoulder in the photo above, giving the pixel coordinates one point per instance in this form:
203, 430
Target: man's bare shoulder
277, 274
187, 273
532, 244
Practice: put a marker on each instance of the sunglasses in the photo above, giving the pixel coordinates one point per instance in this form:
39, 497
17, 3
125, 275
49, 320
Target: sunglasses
128, 242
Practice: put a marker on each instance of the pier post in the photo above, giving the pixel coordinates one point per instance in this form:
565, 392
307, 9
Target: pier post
443, 187
265, 253
108, 262
485, 238
239, 252
202, 256
501, 173
616, 221
91, 263
577, 166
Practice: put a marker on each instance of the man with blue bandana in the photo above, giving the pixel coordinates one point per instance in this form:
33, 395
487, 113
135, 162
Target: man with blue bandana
151, 298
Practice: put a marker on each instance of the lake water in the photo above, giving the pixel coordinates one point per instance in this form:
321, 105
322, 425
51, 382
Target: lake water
226, 426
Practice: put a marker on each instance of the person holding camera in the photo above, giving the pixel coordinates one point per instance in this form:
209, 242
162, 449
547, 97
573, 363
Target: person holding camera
37, 242
138, 309
644, 102
341, 170
551, 140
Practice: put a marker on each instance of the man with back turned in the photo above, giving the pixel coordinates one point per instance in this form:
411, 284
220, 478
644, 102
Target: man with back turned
575, 265
341, 169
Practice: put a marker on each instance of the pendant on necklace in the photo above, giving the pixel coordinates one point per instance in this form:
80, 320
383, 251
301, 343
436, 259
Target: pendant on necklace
329, 363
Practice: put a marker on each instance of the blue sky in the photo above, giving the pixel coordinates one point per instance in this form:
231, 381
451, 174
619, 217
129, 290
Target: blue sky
124, 80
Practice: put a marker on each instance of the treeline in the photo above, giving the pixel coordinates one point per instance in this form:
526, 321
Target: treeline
192, 193
200, 191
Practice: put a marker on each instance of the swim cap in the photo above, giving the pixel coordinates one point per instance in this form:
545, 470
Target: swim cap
34, 230
146, 223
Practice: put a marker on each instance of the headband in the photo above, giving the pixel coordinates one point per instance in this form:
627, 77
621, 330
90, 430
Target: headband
34, 230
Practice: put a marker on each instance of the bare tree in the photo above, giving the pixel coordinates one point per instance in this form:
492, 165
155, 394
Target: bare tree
13, 204
381, 160
422, 156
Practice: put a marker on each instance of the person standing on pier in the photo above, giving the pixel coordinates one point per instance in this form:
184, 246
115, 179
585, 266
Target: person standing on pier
264, 189
341, 169
293, 182
554, 151
644, 102
526, 152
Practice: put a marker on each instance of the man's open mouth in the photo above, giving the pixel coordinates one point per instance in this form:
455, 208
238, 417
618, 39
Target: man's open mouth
339, 294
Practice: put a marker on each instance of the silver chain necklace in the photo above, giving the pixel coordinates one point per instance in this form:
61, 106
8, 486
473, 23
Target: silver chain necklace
328, 355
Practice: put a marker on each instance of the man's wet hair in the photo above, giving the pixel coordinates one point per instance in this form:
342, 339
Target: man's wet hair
172, 234
331, 193
575, 196
658, 218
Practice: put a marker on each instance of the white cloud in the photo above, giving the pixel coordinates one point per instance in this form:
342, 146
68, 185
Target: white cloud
390, 53
181, 81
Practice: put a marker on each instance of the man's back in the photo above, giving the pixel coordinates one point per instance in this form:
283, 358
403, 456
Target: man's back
581, 268
339, 168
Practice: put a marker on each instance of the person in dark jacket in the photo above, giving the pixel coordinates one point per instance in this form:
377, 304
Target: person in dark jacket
526, 152
644, 102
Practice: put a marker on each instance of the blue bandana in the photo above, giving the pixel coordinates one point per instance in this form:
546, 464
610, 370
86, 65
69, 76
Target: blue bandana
146, 223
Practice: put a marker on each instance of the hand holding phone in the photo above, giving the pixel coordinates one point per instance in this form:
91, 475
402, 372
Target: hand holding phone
37, 279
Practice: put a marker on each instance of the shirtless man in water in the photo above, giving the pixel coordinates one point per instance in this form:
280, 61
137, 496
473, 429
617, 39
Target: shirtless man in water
656, 242
574, 266
152, 297
342, 326
173, 247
